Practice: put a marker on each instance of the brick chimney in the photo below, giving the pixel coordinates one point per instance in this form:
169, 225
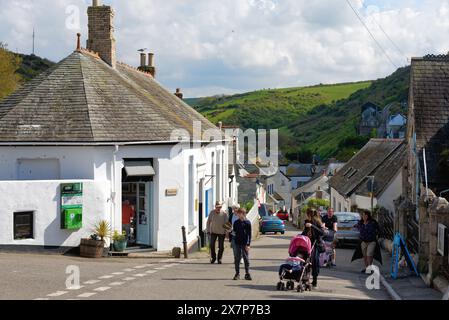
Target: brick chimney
179, 94
151, 67
101, 32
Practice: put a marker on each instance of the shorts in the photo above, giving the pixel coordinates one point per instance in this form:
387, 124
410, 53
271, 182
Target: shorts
368, 249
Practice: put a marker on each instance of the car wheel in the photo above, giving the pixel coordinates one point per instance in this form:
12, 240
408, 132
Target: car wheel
283, 232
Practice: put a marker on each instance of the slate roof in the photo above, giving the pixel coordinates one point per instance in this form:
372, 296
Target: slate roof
381, 158
83, 99
429, 113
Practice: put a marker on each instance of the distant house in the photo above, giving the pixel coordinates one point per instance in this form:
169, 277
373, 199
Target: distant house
379, 158
300, 174
317, 188
371, 118
396, 127
279, 190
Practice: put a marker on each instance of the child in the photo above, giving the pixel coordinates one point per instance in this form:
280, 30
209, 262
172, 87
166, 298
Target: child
242, 240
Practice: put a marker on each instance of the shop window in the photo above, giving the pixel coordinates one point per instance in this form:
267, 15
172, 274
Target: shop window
23, 225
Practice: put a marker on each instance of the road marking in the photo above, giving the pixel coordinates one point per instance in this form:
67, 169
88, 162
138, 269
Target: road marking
118, 273
57, 294
140, 267
106, 277
91, 282
42, 299
162, 268
87, 294
129, 269
168, 266
102, 289
140, 275
151, 271
129, 279
166, 260
116, 283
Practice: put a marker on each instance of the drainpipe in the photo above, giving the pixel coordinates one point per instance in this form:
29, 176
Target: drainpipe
114, 186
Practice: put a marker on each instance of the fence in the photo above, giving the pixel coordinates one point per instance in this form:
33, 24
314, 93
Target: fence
386, 224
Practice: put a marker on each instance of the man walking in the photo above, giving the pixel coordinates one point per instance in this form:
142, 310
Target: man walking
216, 228
242, 230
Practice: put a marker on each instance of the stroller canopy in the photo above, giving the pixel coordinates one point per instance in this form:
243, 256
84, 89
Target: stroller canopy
300, 244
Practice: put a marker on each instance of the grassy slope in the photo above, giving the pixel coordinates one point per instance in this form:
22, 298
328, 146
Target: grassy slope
271, 108
320, 119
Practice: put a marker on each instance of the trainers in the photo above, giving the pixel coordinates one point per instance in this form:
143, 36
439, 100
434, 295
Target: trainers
248, 277
212, 261
237, 277
219, 261
363, 271
333, 264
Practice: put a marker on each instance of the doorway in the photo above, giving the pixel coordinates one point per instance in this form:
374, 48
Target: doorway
137, 216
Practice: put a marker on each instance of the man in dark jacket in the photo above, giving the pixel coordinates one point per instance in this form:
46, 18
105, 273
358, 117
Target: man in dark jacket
242, 241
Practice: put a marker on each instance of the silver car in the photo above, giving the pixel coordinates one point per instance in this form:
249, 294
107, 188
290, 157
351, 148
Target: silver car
347, 227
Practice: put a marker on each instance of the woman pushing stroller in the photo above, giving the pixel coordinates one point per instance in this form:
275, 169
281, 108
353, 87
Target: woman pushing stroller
314, 229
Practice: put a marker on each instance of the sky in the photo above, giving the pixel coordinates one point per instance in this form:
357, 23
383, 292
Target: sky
209, 47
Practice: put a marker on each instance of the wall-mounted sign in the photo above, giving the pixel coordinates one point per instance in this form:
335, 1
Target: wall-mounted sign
171, 192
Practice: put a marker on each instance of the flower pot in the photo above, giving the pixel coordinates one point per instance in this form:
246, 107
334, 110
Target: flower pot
91, 248
120, 246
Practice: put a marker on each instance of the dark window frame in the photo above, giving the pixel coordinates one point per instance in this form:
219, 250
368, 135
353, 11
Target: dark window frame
29, 213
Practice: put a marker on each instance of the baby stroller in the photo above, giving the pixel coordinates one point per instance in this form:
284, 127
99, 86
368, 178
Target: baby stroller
297, 268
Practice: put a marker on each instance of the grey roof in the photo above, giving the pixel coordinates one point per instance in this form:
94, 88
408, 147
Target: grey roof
303, 170
83, 99
429, 114
381, 158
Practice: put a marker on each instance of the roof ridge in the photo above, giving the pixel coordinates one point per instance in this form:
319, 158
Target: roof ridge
135, 69
85, 95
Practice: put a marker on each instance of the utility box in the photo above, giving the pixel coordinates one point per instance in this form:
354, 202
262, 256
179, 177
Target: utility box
71, 206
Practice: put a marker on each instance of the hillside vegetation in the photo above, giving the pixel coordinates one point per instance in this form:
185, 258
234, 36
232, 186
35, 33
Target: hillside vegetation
16, 69
320, 120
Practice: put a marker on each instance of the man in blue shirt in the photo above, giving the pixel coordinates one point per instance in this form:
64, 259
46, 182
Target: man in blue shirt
242, 241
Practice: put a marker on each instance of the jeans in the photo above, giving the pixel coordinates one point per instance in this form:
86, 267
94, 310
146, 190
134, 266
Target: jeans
315, 263
239, 252
213, 240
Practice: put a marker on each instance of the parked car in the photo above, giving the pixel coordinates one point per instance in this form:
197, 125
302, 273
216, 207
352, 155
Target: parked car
347, 231
272, 224
283, 215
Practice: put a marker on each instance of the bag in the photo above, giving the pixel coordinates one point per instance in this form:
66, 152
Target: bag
320, 246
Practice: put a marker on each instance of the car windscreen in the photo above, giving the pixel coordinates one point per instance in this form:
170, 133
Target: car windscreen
348, 217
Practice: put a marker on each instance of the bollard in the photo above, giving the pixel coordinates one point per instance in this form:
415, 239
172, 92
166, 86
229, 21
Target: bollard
184, 241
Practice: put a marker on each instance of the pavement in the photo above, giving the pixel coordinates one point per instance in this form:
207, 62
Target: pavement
45, 277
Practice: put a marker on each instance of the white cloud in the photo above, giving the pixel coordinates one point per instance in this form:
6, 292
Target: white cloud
240, 45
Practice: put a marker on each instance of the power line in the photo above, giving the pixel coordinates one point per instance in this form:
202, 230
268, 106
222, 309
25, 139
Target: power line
371, 34
386, 34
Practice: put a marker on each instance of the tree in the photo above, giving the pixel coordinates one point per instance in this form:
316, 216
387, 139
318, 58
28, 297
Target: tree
9, 64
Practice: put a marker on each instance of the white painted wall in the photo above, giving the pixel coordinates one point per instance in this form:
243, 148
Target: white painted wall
43, 198
393, 191
281, 185
101, 167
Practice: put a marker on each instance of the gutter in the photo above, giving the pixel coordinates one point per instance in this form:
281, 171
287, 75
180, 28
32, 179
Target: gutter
93, 144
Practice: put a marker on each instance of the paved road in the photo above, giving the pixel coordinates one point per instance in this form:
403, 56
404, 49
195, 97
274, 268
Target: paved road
28, 276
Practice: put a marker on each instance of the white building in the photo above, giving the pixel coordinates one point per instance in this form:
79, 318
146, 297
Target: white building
279, 190
114, 131
380, 160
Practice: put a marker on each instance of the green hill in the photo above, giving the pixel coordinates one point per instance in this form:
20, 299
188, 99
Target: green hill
319, 120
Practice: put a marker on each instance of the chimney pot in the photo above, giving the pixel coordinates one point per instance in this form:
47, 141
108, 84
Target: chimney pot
151, 60
78, 41
96, 3
143, 60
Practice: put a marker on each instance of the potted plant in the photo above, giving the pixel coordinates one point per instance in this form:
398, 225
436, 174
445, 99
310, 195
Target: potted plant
120, 241
94, 247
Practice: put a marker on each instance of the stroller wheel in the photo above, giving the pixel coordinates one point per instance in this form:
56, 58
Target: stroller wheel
300, 288
278, 287
290, 285
283, 287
